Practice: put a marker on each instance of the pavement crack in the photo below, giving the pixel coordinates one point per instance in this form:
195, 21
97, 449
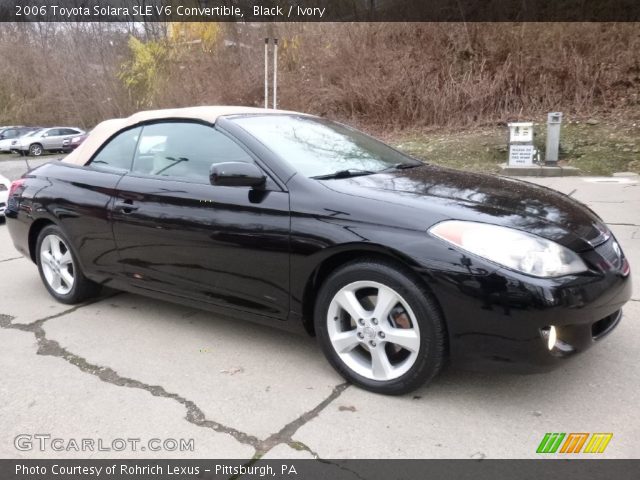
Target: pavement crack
300, 446
297, 445
286, 433
9, 259
49, 347
194, 415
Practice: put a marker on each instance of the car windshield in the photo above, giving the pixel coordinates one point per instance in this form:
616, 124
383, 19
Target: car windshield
317, 147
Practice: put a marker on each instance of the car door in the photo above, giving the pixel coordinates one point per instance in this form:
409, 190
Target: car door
82, 197
178, 234
55, 141
50, 138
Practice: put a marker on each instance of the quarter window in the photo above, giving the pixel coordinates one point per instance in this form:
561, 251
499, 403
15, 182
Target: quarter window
184, 150
118, 153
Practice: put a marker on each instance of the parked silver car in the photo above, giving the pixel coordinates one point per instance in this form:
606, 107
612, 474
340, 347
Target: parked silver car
45, 140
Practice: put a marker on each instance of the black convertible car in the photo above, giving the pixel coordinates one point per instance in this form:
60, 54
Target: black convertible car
292, 220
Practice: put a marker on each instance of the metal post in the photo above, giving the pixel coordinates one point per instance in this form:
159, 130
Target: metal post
554, 120
275, 72
266, 73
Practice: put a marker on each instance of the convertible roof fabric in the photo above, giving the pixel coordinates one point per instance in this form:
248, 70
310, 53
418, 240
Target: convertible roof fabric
104, 130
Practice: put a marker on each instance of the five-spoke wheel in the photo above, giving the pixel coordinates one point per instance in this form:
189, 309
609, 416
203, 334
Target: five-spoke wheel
59, 268
57, 264
35, 150
379, 327
373, 330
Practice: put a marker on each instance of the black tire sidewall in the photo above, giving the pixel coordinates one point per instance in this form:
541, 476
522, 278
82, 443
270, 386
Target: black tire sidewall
432, 332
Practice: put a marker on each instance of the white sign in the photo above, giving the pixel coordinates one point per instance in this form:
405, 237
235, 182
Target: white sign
521, 132
521, 154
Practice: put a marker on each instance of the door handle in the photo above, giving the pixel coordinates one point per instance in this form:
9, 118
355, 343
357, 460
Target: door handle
125, 206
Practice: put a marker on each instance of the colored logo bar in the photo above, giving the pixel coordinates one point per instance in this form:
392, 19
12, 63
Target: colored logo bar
573, 442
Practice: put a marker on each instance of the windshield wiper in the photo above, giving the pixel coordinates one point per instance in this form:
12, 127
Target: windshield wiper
402, 166
355, 172
350, 172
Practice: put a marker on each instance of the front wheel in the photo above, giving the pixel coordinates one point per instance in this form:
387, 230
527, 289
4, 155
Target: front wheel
59, 268
36, 150
379, 328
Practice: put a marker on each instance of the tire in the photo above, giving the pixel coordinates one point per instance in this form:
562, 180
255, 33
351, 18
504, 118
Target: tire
71, 286
36, 150
412, 318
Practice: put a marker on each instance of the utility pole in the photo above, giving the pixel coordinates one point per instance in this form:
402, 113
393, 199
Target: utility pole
275, 73
266, 72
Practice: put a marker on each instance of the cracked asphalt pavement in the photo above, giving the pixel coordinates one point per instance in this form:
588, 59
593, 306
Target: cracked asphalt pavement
124, 366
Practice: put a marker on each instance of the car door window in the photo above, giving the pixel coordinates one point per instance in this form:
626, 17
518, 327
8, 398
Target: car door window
118, 152
70, 131
184, 150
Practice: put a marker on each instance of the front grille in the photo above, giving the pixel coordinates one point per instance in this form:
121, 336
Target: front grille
600, 328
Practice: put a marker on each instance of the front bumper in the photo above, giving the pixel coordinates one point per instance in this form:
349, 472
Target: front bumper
495, 320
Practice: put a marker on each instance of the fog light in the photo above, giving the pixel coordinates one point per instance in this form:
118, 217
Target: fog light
549, 333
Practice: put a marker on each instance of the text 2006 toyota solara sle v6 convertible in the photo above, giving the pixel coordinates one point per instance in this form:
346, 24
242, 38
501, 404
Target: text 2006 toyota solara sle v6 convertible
288, 219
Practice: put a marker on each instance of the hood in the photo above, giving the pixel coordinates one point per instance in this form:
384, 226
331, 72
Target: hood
452, 194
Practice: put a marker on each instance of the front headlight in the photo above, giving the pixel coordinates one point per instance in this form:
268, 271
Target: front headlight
514, 249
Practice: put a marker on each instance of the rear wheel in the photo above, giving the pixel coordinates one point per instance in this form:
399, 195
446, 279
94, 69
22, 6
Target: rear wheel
35, 150
59, 268
378, 328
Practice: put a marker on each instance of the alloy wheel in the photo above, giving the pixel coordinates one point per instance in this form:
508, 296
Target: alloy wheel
57, 264
373, 330
35, 150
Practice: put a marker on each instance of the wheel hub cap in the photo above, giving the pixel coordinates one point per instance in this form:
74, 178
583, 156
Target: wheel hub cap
369, 332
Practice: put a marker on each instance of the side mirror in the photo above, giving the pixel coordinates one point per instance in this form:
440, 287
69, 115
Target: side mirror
45, 135
236, 174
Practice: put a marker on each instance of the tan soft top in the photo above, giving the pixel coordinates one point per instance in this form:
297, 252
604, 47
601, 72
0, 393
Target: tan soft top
104, 130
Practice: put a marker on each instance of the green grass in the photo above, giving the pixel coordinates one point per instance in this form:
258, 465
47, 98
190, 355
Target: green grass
600, 149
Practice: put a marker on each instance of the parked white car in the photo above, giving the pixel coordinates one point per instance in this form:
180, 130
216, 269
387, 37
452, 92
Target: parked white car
9, 136
45, 140
4, 194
